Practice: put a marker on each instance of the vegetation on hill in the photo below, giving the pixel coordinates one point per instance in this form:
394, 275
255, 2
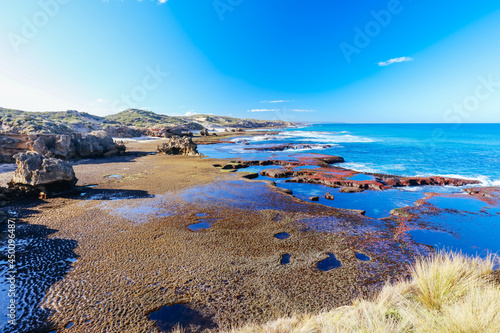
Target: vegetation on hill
73, 121
58, 122
223, 121
143, 118
447, 293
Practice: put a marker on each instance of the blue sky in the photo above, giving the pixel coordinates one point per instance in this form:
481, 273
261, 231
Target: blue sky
319, 61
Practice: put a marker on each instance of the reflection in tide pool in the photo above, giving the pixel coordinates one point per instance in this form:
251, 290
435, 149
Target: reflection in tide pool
377, 204
463, 224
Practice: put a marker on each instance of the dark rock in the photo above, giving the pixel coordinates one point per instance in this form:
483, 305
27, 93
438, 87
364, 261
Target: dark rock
357, 211
286, 191
314, 198
233, 165
251, 175
400, 213
419, 181
329, 196
204, 132
178, 145
351, 190
330, 159
288, 146
277, 173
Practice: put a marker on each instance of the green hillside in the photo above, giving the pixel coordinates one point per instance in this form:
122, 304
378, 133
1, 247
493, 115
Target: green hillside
60, 122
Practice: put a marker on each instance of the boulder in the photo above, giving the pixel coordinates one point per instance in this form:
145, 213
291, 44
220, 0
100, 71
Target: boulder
35, 172
251, 175
277, 173
351, 190
233, 165
204, 132
95, 144
314, 198
329, 196
178, 145
400, 213
286, 191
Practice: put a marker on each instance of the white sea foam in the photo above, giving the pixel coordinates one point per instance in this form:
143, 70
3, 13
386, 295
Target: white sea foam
137, 139
326, 137
485, 181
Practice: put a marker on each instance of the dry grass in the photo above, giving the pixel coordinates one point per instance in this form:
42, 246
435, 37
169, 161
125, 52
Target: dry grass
448, 292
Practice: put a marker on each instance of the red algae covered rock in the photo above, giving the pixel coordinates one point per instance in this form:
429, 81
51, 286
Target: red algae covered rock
351, 190
329, 196
277, 173
419, 181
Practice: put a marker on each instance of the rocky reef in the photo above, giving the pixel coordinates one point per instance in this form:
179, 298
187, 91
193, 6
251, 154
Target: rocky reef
179, 145
349, 181
289, 146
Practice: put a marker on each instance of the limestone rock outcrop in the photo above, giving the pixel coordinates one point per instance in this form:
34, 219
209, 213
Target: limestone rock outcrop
11, 144
76, 146
36, 172
179, 145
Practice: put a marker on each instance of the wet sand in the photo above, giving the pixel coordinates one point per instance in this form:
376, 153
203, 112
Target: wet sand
134, 252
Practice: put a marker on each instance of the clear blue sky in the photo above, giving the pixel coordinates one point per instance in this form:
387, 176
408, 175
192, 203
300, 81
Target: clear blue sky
338, 61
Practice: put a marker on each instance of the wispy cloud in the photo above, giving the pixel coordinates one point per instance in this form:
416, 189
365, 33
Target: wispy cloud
394, 60
301, 110
279, 101
263, 110
159, 1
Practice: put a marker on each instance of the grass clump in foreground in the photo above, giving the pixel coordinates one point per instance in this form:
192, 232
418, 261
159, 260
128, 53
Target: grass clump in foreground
447, 292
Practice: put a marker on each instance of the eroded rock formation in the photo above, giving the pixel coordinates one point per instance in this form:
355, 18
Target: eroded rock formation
38, 173
11, 144
179, 145
75, 146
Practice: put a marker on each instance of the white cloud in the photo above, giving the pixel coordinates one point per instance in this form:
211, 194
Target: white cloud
190, 113
159, 1
263, 110
394, 60
279, 101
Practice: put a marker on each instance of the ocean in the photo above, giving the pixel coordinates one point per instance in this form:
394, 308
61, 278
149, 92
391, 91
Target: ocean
469, 151
452, 220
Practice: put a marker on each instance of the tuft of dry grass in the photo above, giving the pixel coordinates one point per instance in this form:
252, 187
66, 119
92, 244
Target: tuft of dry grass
447, 292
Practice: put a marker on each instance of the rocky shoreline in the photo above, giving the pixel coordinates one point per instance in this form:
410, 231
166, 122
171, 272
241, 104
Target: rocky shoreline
131, 251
